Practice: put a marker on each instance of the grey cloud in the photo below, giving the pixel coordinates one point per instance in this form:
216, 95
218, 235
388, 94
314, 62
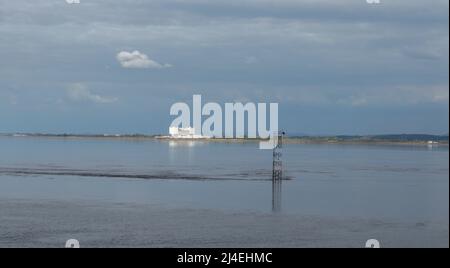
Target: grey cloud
79, 92
422, 54
296, 43
169, 12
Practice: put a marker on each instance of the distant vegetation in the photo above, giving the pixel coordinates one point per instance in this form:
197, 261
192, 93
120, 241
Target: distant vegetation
390, 138
68, 135
378, 138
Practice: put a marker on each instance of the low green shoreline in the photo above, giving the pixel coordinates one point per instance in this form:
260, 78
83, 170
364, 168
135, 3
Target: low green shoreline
396, 139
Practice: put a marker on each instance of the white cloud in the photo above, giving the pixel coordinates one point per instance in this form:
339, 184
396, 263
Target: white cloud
137, 59
79, 92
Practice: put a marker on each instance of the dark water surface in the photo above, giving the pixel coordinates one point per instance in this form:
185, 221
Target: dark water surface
108, 192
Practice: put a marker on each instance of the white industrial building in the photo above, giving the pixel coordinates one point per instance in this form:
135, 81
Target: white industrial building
184, 133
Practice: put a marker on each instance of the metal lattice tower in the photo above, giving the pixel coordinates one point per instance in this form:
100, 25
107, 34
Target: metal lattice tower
277, 170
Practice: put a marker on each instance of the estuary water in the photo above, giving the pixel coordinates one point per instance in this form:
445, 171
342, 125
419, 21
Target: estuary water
167, 193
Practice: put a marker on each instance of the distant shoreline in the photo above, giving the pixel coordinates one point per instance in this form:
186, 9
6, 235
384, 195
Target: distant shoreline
395, 139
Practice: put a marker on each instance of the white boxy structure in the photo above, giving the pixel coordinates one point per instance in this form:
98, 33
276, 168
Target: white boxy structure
184, 133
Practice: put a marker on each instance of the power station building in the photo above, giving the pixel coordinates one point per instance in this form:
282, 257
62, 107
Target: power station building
184, 133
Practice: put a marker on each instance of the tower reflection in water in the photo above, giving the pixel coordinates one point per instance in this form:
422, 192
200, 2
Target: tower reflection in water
277, 172
276, 195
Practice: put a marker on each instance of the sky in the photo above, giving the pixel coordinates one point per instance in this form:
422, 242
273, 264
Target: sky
334, 67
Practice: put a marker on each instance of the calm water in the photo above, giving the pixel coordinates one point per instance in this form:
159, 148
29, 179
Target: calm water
400, 191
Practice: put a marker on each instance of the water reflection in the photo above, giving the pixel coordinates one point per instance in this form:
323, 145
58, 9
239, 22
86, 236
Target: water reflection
182, 150
184, 143
276, 195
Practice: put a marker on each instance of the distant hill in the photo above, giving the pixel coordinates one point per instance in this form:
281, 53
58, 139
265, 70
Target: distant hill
412, 137
381, 138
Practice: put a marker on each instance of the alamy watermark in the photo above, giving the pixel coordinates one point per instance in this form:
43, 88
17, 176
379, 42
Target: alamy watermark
72, 243
373, 243
232, 125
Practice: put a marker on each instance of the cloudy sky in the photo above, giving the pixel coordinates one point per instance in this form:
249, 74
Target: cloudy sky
334, 67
